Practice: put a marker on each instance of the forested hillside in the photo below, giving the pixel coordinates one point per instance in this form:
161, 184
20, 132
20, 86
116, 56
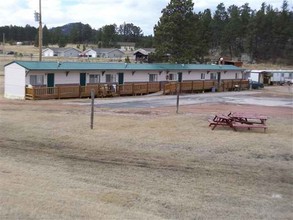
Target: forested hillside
185, 36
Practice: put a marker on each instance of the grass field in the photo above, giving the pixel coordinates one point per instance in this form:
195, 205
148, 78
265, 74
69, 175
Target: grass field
142, 164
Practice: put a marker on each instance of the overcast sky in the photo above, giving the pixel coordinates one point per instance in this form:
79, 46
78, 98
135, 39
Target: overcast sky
97, 13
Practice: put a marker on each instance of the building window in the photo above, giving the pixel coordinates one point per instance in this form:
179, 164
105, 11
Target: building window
153, 77
36, 80
213, 76
173, 77
236, 75
94, 78
110, 78
202, 76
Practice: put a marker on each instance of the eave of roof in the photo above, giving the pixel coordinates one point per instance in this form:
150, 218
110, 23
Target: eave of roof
44, 65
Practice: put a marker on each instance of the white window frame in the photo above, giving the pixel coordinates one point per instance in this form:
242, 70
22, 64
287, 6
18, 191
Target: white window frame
110, 78
202, 76
213, 76
94, 78
153, 77
37, 80
236, 75
172, 77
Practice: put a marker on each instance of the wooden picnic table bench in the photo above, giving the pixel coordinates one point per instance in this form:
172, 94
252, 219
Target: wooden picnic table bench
239, 120
220, 119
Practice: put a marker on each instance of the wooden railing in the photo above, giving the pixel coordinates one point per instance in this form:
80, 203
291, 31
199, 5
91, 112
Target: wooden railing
208, 85
106, 90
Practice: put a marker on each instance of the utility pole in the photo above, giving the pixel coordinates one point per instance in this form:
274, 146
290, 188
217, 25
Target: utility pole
40, 31
3, 45
38, 17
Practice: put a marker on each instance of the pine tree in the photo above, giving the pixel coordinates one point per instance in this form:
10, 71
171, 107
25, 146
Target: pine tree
174, 32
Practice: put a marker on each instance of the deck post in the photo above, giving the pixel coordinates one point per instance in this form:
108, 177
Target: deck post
178, 92
33, 93
92, 108
192, 82
58, 91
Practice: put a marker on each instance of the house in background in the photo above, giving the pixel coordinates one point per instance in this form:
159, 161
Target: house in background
88, 53
126, 46
60, 52
142, 54
48, 52
112, 53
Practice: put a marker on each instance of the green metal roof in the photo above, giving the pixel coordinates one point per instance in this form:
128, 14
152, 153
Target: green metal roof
44, 65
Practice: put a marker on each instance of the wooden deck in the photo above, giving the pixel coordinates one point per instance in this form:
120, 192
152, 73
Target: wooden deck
206, 85
132, 89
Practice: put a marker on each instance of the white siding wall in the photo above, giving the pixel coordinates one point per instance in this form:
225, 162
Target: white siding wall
194, 75
91, 53
143, 76
254, 77
139, 76
48, 53
231, 75
14, 83
71, 78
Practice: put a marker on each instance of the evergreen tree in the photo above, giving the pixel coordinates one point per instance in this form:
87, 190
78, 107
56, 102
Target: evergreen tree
204, 35
219, 22
109, 35
173, 33
46, 36
231, 35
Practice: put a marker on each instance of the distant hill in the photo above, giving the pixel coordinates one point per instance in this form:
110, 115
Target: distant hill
68, 28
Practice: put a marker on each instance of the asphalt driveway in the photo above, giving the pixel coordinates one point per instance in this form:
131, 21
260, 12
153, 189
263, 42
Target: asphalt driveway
155, 101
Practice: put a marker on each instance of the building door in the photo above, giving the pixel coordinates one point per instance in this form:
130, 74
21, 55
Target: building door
219, 77
50, 83
82, 79
120, 78
180, 77
219, 81
50, 80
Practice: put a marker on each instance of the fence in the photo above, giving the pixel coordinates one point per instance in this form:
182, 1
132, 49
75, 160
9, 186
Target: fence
108, 90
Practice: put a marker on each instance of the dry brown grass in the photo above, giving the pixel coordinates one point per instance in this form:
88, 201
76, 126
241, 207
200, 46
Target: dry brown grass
141, 164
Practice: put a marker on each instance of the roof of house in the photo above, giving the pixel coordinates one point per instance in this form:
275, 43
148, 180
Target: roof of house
107, 50
60, 49
144, 51
45, 65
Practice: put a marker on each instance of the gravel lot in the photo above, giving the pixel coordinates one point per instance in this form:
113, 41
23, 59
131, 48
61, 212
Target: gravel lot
145, 162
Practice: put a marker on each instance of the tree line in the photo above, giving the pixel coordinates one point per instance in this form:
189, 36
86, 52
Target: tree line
184, 36
78, 33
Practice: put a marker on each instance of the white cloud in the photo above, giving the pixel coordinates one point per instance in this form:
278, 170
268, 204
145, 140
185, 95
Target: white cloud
98, 13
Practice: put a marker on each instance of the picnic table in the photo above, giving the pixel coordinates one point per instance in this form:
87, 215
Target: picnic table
237, 120
220, 119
